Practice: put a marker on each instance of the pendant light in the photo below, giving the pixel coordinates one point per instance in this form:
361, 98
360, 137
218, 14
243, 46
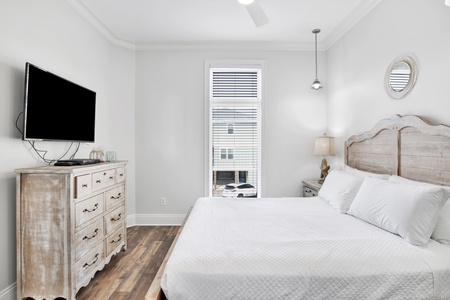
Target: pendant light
316, 84
447, 2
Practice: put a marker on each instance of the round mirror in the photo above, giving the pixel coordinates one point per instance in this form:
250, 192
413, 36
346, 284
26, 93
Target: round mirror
401, 76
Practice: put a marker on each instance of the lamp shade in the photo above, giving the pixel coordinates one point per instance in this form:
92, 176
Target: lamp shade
324, 146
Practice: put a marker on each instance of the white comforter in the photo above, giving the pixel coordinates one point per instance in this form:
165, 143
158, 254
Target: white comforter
297, 248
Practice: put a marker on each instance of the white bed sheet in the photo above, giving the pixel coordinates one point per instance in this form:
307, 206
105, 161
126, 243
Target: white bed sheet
297, 248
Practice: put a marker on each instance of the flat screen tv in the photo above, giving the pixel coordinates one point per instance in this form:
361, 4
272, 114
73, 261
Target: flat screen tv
56, 109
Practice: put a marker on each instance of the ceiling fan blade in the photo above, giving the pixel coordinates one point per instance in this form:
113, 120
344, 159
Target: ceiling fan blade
257, 13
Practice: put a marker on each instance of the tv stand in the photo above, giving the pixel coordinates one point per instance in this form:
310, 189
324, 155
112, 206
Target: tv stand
77, 162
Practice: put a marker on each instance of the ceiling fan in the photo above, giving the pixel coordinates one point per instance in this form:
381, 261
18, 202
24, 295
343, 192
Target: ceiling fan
256, 12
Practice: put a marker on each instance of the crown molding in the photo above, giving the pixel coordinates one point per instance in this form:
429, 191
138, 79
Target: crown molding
83, 11
351, 20
231, 45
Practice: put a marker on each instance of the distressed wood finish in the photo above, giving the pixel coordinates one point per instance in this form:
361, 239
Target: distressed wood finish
62, 233
311, 187
408, 146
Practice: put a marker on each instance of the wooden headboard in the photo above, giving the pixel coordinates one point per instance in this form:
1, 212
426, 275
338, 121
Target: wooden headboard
407, 146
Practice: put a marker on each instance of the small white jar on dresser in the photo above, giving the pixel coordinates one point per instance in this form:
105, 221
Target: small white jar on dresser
70, 221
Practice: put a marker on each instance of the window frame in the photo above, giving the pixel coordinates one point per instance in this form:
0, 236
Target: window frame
248, 64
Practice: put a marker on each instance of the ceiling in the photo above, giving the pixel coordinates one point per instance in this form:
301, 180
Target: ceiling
162, 24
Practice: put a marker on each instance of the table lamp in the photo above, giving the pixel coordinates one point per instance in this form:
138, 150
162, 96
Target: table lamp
324, 146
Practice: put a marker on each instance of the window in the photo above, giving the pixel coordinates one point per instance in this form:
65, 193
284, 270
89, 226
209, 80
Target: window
234, 127
226, 154
230, 128
230, 153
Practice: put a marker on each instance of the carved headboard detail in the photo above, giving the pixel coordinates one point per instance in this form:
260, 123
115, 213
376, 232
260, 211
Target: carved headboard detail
408, 146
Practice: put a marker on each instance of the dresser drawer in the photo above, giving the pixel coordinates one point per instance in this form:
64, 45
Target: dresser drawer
83, 185
89, 262
120, 175
115, 240
114, 219
103, 179
114, 197
88, 237
308, 192
88, 209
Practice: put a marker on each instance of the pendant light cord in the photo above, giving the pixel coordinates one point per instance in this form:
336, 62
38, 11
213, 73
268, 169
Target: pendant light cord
315, 34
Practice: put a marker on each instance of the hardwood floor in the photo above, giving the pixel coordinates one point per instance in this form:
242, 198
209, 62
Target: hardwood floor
130, 273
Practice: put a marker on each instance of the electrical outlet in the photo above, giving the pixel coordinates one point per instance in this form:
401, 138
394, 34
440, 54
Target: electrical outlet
163, 201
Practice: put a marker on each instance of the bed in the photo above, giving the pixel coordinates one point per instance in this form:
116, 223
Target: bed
351, 242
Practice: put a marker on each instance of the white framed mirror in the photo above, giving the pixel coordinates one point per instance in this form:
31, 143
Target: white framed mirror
401, 76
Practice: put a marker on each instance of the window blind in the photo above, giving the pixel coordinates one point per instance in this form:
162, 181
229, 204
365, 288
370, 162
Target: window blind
235, 127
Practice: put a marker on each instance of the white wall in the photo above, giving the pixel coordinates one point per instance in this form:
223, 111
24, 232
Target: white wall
50, 34
356, 98
170, 120
151, 103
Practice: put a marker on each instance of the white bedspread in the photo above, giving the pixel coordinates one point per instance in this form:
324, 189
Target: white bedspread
297, 248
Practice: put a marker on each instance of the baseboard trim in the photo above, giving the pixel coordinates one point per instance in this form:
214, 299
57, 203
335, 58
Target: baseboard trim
10, 293
155, 220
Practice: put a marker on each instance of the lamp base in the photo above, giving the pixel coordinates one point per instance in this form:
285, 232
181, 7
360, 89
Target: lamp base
324, 167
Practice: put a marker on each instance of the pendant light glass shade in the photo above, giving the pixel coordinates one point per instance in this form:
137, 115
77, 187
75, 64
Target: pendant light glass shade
447, 2
316, 84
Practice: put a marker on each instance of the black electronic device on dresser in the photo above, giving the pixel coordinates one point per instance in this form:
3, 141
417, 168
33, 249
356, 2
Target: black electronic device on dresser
77, 162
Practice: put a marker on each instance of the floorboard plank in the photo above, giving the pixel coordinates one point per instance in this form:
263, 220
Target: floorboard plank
131, 272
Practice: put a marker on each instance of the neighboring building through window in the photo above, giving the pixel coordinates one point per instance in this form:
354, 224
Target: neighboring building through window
234, 127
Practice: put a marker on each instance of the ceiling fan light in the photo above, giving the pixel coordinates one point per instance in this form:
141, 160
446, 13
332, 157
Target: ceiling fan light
316, 84
246, 2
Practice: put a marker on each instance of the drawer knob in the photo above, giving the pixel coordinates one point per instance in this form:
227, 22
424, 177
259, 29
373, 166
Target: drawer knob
95, 260
111, 177
98, 181
91, 210
116, 218
84, 185
119, 195
93, 236
104, 174
114, 241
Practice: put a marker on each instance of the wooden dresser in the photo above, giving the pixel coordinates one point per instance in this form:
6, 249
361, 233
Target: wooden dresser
70, 222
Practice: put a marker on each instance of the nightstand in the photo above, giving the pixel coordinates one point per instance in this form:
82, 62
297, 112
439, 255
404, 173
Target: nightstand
311, 187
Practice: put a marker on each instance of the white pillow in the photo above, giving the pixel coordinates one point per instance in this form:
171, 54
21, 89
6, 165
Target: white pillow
403, 209
339, 189
441, 232
364, 174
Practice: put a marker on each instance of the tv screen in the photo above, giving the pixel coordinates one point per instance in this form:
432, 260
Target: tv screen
56, 109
